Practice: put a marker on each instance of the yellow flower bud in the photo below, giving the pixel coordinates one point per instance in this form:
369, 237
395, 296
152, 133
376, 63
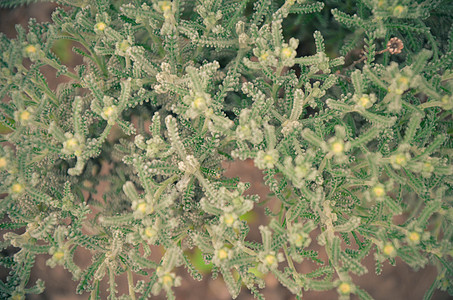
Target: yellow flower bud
30, 49
165, 6
199, 103
403, 80
17, 188
270, 259
389, 250
150, 232
264, 56
72, 143
109, 111
100, 26
364, 101
229, 219
337, 147
167, 280
124, 45
400, 159
344, 288
24, 116
379, 190
414, 237
141, 207
2, 162
287, 52
59, 255
222, 254
17, 296
398, 10
268, 158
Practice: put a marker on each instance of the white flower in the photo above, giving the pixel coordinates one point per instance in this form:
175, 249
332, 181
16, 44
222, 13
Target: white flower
266, 160
100, 26
399, 160
142, 208
364, 101
110, 113
24, 117
73, 144
269, 260
221, 255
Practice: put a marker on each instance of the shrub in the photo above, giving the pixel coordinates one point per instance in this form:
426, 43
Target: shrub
349, 131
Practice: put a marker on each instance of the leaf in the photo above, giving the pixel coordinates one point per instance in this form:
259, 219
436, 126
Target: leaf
261, 8
420, 61
378, 119
366, 137
11, 226
412, 257
319, 42
351, 264
339, 106
438, 141
174, 136
363, 295
88, 274
15, 3
6, 124
234, 286
349, 225
319, 285
191, 269
319, 272
347, 20
286, 281
335, 250
117, 221
432, 288
375, 79
415, 183
357, 82
313, 139
307, 8
394, 207
413, 124
431, 207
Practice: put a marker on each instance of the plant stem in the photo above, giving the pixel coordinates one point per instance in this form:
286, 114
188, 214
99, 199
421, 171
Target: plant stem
130, 282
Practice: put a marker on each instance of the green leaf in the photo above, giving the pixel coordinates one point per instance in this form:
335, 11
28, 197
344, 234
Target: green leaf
88, 274
394, 207
15, 3
335, 250
378, 119
286, 281
319, 42
363, 295
307, 8
347, 20
233, 285
352, 264
357, 82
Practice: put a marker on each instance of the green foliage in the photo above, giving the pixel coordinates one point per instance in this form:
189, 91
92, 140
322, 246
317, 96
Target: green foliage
346, 142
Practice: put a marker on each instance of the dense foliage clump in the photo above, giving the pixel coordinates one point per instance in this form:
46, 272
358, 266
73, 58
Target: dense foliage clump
346, 107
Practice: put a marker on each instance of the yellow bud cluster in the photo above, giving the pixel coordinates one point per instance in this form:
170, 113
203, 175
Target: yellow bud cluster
30, 49
100, 26
344, 288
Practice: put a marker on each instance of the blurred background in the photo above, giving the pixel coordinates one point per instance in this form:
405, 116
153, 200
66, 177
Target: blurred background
394, 283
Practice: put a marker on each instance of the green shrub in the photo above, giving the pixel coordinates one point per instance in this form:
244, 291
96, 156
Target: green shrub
351, 128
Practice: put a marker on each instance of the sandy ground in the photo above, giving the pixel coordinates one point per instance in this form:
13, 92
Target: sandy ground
395, 283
